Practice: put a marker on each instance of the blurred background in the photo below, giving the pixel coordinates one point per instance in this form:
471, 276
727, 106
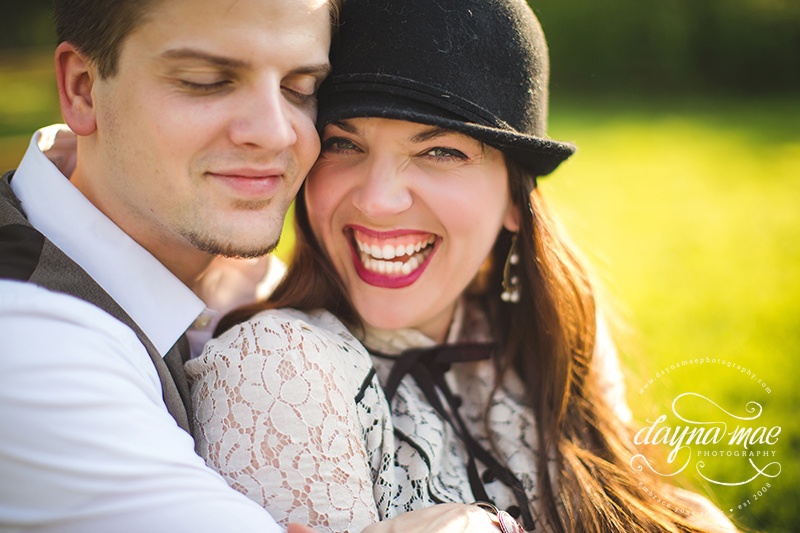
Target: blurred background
684, 197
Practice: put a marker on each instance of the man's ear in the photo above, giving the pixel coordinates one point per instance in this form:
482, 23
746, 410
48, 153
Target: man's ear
511, 220
75, 80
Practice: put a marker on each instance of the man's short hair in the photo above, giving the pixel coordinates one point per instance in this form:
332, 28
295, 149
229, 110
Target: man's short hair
97, 28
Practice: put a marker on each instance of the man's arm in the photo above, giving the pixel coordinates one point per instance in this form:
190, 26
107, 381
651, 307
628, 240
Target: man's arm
87, 444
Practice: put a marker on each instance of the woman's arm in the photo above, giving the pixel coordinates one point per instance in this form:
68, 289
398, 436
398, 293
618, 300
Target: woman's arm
276, 416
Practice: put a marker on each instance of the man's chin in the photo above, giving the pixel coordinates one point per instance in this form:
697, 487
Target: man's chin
234, 250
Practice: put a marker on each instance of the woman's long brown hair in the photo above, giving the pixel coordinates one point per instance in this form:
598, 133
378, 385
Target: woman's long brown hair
548, 338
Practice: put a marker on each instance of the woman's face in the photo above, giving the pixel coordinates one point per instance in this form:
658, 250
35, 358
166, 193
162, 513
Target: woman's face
407, 214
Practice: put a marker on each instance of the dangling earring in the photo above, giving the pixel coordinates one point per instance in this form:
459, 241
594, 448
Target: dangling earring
511, 285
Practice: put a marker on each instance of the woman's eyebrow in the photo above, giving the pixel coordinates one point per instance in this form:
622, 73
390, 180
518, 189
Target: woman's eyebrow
429, 133
346, 126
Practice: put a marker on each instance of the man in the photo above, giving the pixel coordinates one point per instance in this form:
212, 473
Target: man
195, 124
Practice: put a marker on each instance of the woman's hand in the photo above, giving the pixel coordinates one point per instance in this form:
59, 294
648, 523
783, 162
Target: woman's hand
442, 518
299, 528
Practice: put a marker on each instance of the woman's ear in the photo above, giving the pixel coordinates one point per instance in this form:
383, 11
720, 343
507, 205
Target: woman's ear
75, 80
511, 220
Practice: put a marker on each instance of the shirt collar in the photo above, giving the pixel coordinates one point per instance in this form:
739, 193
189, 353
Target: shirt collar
153, 297
394, 341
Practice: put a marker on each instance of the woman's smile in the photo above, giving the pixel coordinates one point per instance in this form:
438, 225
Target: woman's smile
391, 259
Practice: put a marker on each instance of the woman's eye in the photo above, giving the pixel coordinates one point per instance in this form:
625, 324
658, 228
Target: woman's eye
445, 154
338, 145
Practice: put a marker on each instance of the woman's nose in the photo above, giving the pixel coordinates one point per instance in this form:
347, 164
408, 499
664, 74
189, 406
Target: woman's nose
384, 189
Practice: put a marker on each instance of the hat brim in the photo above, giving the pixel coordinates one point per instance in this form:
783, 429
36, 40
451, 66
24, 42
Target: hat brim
538, 155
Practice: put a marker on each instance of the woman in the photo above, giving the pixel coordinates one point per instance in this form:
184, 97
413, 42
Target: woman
435, 340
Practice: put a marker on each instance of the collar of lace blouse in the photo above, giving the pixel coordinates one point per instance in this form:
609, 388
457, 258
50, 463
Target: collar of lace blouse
469, 324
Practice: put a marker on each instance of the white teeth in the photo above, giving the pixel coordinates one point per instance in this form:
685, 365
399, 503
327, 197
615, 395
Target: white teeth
409, 256
410, 266
387, 251
394, 268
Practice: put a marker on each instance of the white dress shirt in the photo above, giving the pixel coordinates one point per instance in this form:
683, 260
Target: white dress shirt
86, 442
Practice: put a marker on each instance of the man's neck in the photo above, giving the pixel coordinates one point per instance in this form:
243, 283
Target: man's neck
180, 257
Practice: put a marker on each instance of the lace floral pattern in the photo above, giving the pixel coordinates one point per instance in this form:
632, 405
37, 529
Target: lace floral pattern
433, 455
277, 417
289, 409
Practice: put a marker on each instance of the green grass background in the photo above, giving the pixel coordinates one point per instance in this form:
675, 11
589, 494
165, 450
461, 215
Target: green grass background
689, 212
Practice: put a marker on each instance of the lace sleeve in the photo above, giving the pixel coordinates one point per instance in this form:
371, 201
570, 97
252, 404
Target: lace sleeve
275, 415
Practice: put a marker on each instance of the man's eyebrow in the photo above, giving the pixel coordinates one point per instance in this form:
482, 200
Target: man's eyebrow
430, 133
321, 70
197, 55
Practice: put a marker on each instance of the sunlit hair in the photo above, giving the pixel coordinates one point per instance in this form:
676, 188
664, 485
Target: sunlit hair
99, 27
548, 338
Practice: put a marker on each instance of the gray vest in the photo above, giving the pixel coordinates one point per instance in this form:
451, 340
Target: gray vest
26, 255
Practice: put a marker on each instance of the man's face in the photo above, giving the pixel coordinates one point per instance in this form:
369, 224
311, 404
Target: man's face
206, 131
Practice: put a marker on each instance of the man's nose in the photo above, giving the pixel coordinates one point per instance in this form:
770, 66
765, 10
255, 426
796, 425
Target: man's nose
265, 119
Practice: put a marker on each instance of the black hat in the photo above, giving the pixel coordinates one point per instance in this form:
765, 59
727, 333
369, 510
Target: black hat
479, 67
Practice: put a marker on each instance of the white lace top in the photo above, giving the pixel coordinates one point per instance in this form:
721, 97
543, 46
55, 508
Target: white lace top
290, 410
